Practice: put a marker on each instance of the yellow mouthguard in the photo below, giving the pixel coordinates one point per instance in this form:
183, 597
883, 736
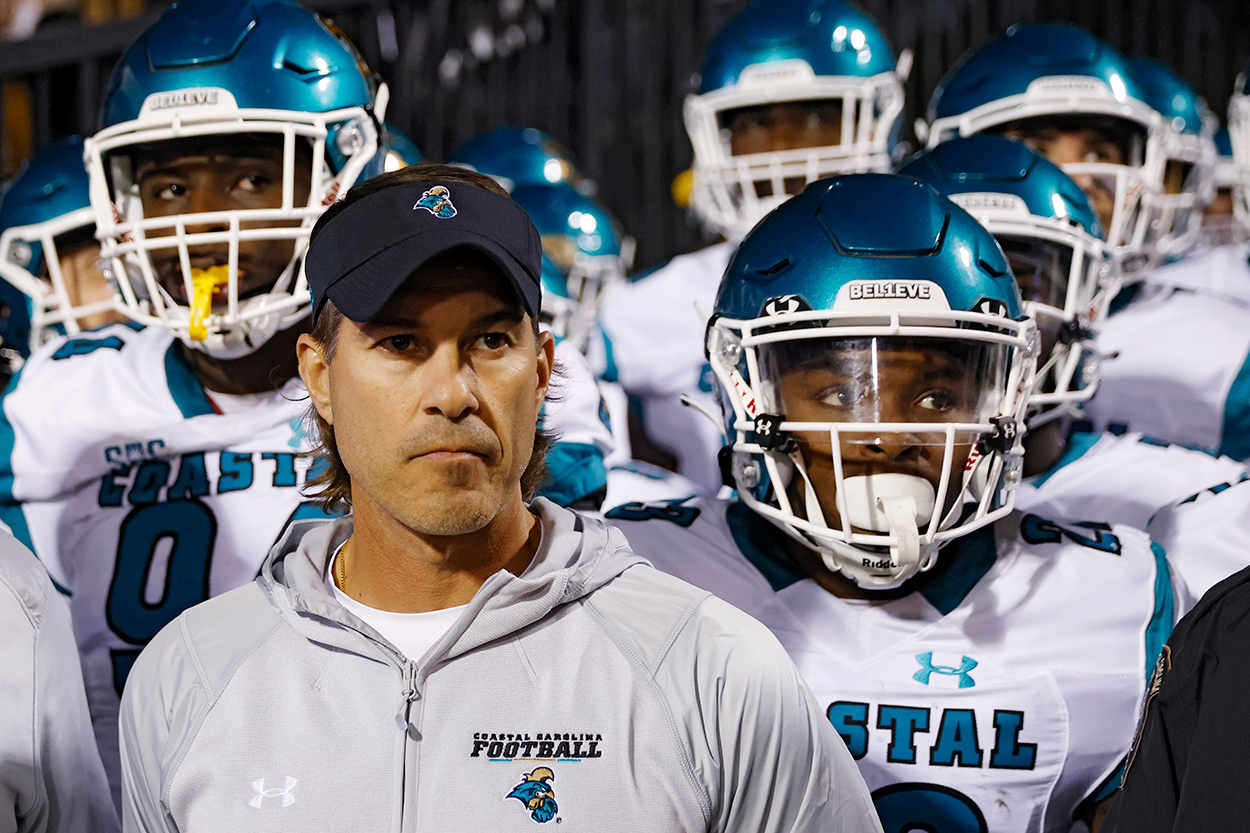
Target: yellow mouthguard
203, 282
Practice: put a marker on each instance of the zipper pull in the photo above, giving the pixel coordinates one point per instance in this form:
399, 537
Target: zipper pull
410, 692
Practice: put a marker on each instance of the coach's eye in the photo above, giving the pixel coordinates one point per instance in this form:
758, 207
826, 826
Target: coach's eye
494, 341
399, 343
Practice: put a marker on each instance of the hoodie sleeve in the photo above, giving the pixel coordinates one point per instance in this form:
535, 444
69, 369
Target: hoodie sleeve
145, 726
768, 758
51, 777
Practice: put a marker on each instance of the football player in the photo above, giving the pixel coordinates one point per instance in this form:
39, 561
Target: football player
1052, 238
51, 283
149, 466
876, 370
1177, 361
790, 92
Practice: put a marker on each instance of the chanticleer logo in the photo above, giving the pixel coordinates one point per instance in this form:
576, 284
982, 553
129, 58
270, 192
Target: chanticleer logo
437, 201
537, 794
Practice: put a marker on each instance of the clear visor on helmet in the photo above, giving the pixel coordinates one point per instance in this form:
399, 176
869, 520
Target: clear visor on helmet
927, 390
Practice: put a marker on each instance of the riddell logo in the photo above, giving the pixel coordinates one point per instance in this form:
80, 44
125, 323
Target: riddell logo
184, 98
883, 564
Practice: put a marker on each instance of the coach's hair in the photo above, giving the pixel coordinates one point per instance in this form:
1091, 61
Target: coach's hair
332, 485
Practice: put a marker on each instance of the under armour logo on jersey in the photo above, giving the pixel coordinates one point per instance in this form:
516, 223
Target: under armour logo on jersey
437, 201
784, 305
927, 668
288, 798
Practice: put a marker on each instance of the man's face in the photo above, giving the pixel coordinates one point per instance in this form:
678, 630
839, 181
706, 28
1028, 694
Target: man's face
220, 174
434, 402
1066, 145
873, 381
792, 125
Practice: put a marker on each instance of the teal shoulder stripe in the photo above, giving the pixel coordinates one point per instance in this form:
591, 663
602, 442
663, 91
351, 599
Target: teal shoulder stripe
11, 512
763, 544
1078, 443
1235, 432
961, 564
575, 471
186, 390
1163, 617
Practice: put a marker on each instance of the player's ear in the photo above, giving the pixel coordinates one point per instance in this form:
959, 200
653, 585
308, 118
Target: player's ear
315, 371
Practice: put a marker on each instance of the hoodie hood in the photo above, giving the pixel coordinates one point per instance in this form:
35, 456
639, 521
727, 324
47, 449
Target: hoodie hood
576, 556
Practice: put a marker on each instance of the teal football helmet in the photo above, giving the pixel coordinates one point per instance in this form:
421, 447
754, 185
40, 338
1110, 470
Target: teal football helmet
790, 51
874, 368
264, 71
558, 309
398, 151
1053, 241
1061, 75
1187, 136
519, 156
45, 211
584, 241
1239, 139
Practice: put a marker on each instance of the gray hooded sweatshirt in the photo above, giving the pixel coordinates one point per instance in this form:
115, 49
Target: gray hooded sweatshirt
51, 778
590, 693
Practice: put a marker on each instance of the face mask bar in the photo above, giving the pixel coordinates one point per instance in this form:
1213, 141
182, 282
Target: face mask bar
725, 193
53, 313
1187, 187
1129, 185
589, 277
128, 242
764, 468
1239, 137
1084, 281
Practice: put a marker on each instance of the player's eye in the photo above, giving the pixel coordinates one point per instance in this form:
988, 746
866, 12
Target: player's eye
937, 400
170, 191
253, 182
841, 396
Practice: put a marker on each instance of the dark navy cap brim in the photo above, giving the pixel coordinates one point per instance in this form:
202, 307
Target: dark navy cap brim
363, 292
366, 252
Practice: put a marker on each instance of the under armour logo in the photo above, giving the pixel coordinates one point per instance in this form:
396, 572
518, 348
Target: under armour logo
273, 792
785, 304
992, 306
927, 668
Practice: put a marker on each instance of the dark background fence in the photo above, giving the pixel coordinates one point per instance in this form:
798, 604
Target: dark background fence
606, 77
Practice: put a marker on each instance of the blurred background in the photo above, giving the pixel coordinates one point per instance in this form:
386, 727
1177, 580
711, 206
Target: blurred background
605, 77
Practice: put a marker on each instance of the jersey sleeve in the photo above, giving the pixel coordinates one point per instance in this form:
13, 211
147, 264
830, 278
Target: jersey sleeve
774, 763
576, 415
1207, 536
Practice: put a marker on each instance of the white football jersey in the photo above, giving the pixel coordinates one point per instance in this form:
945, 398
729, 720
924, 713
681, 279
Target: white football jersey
1176, 365
1002, 696
653, 339
1223, 271
1153, 486
142, 493
576, 414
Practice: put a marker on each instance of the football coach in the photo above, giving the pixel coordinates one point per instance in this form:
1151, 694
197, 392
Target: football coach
452, 656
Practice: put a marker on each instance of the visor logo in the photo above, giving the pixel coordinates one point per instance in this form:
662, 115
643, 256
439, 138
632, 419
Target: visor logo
437, 201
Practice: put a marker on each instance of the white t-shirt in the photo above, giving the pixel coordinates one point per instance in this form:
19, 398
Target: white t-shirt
412, 633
